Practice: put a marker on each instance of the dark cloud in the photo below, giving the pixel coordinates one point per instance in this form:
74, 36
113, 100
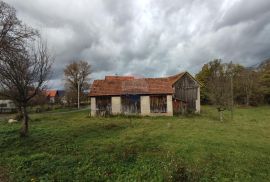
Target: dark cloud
243, 11
149, 38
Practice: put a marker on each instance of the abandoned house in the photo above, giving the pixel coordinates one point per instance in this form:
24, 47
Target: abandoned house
7, 106
145, 96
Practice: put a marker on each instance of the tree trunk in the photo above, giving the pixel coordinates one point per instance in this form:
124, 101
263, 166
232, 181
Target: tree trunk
24, 130
19, 115
247, 101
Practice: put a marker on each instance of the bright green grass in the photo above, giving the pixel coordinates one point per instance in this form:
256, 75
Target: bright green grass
74, 147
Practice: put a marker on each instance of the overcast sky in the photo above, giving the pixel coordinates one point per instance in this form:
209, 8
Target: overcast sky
149, 37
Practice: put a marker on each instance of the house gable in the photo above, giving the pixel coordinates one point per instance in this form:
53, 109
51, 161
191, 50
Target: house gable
186, 90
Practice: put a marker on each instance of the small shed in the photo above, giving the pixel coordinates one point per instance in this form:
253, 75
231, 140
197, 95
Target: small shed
127, 95
145, 96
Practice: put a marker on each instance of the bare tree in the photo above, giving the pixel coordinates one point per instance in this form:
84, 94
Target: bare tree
22, 76
248, 83
219, 85
77, 78
24, 66
13, 33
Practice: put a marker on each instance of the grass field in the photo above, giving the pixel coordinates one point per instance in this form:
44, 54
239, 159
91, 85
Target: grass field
74, 147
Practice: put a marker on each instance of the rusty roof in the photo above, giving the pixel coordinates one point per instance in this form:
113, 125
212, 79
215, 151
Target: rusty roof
119, 78
130, 86
51, 93
122, 85
174, 78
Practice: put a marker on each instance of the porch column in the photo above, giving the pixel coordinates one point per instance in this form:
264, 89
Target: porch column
198, 101
169, 105
93, 106
116, 105
145, 105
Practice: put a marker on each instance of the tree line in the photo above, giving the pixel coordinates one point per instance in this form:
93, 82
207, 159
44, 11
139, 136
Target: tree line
224, 84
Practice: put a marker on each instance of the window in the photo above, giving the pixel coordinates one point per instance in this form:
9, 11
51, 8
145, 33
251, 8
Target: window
131, 104
3, 105
158, 104
103, 105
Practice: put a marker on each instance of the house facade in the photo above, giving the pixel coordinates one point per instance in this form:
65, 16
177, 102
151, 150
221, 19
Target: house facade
51, 96
186, 93
7, 106
145, 96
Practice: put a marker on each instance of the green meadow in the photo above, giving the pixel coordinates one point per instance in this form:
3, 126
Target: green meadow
75, 147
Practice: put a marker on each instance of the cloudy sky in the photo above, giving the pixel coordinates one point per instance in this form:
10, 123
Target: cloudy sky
149, 37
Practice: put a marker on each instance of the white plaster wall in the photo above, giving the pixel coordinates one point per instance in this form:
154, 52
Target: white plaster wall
10, 104
93, 106
116, 105
169, 105
198, 101
145, 105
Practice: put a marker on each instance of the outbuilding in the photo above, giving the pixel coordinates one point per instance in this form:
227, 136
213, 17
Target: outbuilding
145, 96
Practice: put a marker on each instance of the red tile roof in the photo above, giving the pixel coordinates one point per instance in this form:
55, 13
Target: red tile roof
174, 78
51, 93
131, 86
122, 85
119, 78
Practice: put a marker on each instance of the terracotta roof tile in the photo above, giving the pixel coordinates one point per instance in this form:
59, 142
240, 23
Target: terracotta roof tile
122, 85
133, 86
174, 78
51, 93
119, 77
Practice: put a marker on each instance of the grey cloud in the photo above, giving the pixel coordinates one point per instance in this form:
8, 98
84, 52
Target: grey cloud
150, 38
245, 10
122, 12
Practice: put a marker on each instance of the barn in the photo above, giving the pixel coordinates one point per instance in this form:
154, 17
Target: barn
145, 96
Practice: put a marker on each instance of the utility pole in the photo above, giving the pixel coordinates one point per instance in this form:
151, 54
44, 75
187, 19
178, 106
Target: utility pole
78, 94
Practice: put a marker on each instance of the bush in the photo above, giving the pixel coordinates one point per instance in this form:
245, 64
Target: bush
18, 117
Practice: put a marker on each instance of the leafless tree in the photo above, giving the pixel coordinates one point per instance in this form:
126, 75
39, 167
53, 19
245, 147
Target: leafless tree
77, 76
248, 82
13, 33
219, 85
24, 65
23, 75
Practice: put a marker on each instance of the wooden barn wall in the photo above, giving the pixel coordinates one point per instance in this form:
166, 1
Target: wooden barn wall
186, 91
158, 104
130, 104
103, 105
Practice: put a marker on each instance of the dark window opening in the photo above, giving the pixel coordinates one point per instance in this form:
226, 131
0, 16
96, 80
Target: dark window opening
3, 105
158, 104
103, 105
131, 104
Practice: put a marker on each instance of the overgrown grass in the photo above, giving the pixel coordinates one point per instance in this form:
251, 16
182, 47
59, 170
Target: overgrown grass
74, 147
